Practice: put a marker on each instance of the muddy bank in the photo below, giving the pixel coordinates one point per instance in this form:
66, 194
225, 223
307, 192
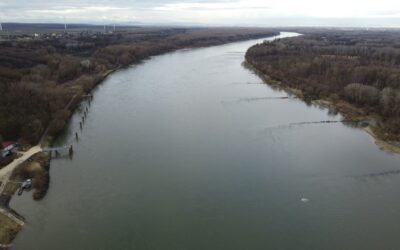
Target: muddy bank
392, 147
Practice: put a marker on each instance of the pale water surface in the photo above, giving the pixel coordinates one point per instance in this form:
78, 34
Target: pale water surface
176, 154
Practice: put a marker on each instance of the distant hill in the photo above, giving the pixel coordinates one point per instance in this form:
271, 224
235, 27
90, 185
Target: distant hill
53, 26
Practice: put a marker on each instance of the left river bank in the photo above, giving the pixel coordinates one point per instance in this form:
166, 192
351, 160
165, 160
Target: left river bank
33, 163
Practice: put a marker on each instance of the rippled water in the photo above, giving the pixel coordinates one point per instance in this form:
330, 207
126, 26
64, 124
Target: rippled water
190, 150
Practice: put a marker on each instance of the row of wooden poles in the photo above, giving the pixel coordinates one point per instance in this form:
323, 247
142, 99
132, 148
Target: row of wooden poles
81, 123
84, 116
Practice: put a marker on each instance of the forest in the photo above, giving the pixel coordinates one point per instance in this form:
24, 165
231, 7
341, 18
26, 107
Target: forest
359, 67
40, 76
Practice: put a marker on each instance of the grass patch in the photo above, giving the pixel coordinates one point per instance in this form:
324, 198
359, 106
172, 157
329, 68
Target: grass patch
38, 170
8, 229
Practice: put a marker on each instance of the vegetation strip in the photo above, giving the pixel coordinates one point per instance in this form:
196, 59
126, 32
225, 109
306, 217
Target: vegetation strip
355, 72
39, 77
43, 82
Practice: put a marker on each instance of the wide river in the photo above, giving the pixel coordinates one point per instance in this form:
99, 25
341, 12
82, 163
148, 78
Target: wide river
190, 150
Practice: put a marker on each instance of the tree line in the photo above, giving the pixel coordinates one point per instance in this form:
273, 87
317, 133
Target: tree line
360, 67
38, 78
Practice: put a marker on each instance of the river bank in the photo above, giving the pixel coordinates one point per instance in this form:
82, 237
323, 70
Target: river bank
35, 168
166, 155
8, 234
349, 111
348, 68
81, 88
51, 72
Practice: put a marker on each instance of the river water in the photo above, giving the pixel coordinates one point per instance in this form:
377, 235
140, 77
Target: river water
189, 150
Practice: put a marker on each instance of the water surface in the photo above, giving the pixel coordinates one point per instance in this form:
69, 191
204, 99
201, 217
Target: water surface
183, 152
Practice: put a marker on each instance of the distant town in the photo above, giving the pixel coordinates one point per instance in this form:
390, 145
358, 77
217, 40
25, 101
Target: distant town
32, 32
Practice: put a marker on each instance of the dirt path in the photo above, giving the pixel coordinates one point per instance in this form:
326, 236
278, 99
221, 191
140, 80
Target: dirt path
6, 172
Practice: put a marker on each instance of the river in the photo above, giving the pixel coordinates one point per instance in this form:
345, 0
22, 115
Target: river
190, 150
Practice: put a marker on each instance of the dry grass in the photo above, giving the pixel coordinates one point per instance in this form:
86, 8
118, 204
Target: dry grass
10, 188
8, 229
37, 170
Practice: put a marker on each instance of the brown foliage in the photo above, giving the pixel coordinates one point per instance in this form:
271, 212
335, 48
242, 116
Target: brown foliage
361, 67
38, 78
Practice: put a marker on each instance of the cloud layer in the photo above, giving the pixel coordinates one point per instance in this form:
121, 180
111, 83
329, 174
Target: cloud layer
217, 12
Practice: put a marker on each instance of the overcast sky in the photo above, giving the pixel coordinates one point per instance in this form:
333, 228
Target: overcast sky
216, 12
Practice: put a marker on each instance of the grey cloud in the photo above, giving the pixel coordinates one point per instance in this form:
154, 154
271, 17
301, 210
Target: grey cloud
19, 7
92, 11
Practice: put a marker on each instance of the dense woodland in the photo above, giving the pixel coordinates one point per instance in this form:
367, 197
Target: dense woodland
359, 67
39, 77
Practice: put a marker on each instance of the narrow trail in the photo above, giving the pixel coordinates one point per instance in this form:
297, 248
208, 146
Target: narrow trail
5, 173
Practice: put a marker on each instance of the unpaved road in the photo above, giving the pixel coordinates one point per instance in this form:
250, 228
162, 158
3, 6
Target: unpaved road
6, 172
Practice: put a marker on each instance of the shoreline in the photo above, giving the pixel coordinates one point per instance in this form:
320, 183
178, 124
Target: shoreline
347, 110
72, 108
6, 213
383, 145
36, 169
